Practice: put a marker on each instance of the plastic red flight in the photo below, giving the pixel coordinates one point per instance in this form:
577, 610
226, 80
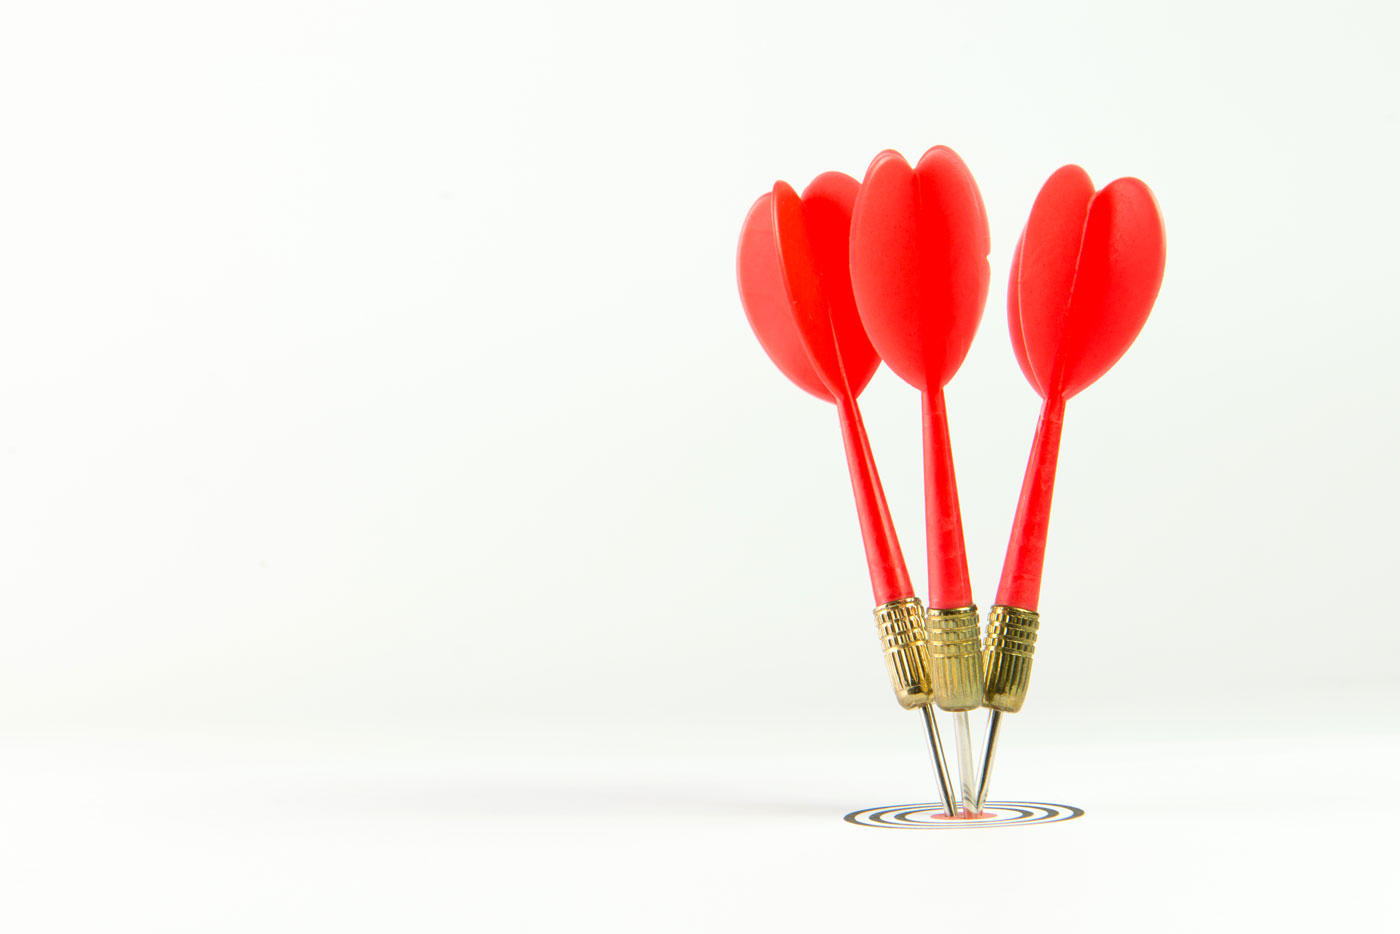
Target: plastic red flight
1083, 280
919, 244
795, 285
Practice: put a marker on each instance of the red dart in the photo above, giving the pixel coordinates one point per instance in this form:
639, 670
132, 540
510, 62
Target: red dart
794, 281
919, 244
1083, 279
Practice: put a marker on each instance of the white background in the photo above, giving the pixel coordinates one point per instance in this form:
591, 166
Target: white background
402, 529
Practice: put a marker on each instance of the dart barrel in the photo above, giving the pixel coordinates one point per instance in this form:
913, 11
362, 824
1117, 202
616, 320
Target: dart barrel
903, 636
955, 651
1007, 655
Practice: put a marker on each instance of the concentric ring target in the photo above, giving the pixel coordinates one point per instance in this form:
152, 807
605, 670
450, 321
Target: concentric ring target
932, 817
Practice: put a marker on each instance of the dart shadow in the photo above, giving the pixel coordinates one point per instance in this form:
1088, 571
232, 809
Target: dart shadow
577, 800
624, 801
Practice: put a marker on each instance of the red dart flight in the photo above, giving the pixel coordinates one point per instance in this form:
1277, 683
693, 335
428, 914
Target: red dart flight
795, 285
1083, 279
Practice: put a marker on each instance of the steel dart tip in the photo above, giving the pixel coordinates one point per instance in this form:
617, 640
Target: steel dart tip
963, 731
940, 767
989, 754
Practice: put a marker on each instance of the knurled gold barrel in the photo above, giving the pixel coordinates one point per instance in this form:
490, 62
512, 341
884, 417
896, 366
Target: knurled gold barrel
905, 640
1008, 653
955, 649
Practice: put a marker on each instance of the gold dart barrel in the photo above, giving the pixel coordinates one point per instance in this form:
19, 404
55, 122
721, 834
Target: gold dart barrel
955, 650
905, 640
1008, 653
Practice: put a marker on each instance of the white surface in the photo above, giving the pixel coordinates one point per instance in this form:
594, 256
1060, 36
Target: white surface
424, 836
376, 371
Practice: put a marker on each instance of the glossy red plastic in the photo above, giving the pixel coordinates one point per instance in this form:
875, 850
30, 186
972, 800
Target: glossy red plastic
794, 282
919, 244
1084, 277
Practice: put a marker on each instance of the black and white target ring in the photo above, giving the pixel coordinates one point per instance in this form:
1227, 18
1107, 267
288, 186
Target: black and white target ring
931, 816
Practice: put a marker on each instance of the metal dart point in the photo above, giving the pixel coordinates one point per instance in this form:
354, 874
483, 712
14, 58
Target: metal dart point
940, 767
963, 736
989, 755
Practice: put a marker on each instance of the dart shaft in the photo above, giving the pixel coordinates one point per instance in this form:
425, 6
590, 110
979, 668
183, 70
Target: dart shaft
889, 576
1025, 553
948, 581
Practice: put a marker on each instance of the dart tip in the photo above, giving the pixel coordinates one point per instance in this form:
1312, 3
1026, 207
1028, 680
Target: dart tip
989, 754
940, 767
965, 763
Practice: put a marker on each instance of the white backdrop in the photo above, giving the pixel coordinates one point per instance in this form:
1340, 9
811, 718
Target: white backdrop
379, 414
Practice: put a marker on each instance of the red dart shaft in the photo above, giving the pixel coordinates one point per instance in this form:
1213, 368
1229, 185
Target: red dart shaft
948, 584
1025, 555
889, 577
